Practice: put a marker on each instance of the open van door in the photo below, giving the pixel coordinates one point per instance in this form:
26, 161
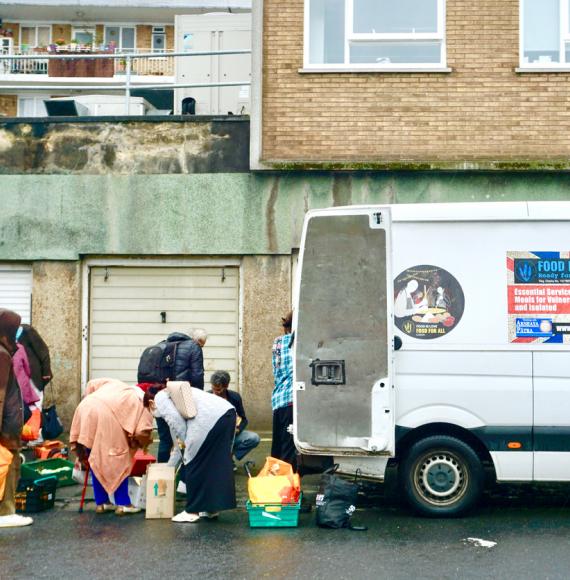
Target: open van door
344, 396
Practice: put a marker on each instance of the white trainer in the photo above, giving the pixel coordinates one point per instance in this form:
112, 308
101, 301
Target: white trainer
15, 521
209, 515
185, 518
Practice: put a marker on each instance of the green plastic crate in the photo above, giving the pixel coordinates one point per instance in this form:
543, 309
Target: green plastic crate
61, 468
273, 515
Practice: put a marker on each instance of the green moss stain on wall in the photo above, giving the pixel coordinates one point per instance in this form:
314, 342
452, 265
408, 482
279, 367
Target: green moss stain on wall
66, 216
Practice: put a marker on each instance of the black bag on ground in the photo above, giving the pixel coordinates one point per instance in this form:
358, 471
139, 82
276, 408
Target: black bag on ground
156, 364
52, 426
336, 500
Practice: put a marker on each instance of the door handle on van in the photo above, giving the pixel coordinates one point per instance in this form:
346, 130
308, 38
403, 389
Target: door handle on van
328, 372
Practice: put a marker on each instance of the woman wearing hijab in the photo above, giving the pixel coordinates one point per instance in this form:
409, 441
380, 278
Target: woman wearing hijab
207, 439
108, 426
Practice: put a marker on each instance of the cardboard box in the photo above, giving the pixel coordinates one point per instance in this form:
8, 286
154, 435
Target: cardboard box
160, 491
137, 491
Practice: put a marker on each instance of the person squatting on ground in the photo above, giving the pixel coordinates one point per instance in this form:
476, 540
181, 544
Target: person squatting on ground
11, 418
108, 426
283, 446
207, 439
244, 440
188, 366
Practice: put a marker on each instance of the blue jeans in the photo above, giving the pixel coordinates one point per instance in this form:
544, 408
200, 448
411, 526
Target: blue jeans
244, 443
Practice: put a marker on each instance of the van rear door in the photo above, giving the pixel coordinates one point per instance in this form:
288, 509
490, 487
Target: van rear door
344, 397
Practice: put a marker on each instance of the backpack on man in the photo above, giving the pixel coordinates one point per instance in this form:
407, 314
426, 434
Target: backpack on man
156, 364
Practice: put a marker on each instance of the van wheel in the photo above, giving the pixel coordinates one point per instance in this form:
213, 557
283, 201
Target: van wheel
442, 477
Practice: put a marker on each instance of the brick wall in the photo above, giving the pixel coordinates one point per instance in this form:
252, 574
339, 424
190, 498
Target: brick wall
8, 106
144, 37
15, 28
62, 31
482, 111
169, 37
99, 33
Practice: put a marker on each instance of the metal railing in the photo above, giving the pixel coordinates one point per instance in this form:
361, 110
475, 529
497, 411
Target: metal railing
128, 66
160, 64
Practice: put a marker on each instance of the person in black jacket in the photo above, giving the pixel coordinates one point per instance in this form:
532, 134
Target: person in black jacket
188, 366
189, 361
244, 440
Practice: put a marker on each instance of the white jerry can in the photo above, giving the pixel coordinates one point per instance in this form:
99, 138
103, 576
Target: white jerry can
344, 395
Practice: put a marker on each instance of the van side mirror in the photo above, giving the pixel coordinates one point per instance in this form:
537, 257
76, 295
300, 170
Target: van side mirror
397, 343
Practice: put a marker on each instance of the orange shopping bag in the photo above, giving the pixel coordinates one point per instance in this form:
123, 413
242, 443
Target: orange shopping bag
31, 430
6, 459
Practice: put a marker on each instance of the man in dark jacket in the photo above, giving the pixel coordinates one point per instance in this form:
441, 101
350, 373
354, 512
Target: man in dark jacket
188, 366
11, 419
189, 361
244, 440
38, 355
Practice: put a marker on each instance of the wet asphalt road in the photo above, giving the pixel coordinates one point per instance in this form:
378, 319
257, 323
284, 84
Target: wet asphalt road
531, 525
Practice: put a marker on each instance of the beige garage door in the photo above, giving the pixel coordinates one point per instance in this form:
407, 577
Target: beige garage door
126, 306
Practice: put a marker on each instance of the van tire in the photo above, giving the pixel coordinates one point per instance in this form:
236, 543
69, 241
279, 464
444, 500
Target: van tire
442, 477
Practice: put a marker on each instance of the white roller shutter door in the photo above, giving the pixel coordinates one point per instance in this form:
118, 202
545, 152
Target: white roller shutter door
16, 290
125, 315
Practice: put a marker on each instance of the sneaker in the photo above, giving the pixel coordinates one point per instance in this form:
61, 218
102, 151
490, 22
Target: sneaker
209, 515
186, 518
124, 510
15, 521
105, 508
181, 487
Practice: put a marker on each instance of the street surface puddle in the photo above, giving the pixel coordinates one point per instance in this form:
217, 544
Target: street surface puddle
480, 543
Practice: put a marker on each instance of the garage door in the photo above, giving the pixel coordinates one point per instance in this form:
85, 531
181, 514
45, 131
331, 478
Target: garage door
16, 290
128, 305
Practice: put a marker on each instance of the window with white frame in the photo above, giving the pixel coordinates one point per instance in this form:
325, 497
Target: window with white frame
124, 37
34, 36
158, 38
380, 34
85, 36
545, 33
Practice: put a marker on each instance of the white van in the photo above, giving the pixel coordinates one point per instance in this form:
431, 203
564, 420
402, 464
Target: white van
478, 298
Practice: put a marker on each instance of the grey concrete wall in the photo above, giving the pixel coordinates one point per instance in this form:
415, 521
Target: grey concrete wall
56, 313
266, 298
62, 217
157, 145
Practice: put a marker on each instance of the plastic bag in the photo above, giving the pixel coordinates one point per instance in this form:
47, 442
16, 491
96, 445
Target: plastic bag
78, 474
275, 483
336, 501
31, 430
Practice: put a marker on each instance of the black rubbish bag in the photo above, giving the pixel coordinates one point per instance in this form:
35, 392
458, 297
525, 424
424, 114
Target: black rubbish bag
52, 426
336, 501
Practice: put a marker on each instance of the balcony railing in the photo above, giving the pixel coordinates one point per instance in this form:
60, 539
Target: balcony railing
160, 65
123, 62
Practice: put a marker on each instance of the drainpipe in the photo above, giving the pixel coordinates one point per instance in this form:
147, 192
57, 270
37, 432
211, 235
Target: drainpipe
128, 86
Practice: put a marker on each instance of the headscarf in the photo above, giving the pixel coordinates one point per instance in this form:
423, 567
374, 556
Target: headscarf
9, 323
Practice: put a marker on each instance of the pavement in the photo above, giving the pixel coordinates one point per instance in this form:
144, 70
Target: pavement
528, 528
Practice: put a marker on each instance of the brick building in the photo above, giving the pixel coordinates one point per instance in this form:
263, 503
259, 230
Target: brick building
416, 84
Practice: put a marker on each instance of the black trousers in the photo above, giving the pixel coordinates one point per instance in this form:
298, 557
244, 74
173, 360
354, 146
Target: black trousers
282, 446
165, 442
210, 476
